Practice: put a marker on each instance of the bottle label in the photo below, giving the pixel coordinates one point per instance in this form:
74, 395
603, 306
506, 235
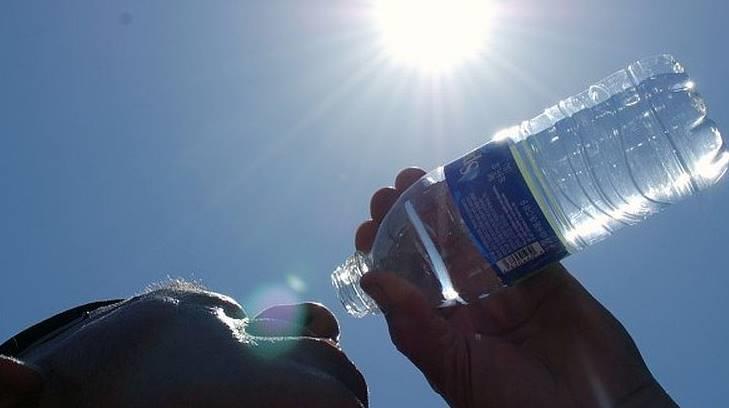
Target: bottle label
503, 218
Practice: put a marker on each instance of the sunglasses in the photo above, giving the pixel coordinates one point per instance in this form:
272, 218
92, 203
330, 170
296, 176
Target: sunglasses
50, 328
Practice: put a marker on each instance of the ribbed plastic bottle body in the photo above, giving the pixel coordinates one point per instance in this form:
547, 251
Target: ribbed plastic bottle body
626, 148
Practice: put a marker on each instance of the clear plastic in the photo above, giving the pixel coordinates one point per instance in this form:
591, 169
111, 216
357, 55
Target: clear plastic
609, 157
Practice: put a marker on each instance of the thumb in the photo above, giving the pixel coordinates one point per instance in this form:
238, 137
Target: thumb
416, 329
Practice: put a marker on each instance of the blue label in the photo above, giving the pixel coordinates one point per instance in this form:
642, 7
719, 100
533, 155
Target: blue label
504, 220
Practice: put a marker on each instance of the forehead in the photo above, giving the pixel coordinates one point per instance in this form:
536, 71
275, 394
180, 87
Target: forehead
147, 307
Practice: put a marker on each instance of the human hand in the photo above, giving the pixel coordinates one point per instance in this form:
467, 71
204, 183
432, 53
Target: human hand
545, 342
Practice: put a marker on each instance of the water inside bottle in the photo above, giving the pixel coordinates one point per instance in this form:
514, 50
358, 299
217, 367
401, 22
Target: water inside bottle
606, 166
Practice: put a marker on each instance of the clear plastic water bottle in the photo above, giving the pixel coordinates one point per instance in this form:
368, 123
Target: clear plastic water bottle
609, 157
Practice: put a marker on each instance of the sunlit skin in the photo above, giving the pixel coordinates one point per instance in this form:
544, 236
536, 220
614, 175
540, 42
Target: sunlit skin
544, 343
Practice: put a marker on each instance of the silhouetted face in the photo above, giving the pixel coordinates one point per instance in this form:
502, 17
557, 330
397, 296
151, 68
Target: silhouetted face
191, 348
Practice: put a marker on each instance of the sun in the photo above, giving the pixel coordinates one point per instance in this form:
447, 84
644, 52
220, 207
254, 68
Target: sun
433, 35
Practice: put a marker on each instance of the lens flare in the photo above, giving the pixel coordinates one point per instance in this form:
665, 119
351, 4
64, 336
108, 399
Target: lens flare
272, 346
272, 295
296, 283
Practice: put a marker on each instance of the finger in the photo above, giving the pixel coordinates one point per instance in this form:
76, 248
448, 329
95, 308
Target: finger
407, 177
381, 202
422, 335
365, 236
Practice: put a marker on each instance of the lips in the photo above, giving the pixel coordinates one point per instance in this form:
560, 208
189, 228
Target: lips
325, 356
309, 334
311, 341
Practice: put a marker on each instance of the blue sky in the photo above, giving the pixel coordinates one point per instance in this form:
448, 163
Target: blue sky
238, 142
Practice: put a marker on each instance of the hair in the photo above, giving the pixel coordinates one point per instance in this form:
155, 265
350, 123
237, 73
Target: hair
175, 285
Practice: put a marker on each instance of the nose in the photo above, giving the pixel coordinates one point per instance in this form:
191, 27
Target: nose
311, 319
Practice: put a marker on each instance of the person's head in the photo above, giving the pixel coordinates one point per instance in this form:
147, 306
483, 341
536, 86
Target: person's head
181, 346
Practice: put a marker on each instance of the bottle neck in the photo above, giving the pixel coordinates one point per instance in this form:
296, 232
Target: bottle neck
345, 280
